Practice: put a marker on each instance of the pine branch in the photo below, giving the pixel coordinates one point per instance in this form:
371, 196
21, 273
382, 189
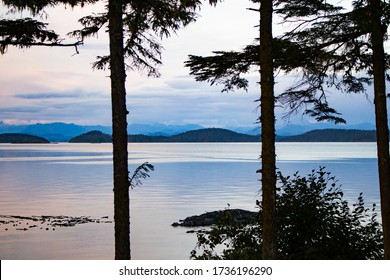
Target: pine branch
141, 172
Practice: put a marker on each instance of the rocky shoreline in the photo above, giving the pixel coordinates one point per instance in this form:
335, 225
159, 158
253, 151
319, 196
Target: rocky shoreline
24, 223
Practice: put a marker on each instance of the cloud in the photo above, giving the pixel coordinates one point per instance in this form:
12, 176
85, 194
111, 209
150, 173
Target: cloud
74, 106
53, 84
202, 108
18, 109
47, 95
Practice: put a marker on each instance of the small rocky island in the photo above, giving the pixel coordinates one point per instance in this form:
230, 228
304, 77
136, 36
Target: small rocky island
94, 136
212, 218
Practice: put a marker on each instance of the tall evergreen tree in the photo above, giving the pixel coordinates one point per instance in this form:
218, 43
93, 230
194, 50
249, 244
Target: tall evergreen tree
227, 68
344, 49
135, 29
267, 120
330, 47
378, 31
119, 130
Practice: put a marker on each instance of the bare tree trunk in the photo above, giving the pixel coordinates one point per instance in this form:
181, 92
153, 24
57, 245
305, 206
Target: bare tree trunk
382, 129
119, 131
267, 119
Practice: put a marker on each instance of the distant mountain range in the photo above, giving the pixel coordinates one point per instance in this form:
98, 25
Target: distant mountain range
199, 135
332, 135
62, 132
224, 135
294, 129
54, 132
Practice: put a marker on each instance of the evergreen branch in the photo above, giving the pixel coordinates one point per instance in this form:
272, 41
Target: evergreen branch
141, 172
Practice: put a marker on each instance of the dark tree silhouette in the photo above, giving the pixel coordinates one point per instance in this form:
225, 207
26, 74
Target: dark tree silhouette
378, 32
314, 222
135, 28
119, 130
28, 32
227, 67
330, 47
267, 120
340, 48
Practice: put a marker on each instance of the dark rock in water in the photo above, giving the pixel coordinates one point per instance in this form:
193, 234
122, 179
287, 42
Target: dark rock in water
212, 218
23, 223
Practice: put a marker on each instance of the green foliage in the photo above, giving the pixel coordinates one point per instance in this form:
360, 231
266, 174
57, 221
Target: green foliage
314, 222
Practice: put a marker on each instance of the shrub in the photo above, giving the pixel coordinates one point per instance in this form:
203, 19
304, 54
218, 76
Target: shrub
314, 222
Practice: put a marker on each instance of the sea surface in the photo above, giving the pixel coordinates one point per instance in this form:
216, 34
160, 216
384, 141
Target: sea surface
189, 179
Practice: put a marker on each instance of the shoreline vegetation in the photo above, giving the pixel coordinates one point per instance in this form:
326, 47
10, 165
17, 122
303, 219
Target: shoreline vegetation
203, 136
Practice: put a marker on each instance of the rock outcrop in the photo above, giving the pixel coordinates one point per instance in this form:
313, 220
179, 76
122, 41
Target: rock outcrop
212, 218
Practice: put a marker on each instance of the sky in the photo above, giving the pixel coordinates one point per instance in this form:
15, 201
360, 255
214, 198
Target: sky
43, 85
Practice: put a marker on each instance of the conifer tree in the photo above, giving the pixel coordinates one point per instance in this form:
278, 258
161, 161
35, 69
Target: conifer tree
135, 28
344, 50
330, 47
227, 68
267, 120
27, 32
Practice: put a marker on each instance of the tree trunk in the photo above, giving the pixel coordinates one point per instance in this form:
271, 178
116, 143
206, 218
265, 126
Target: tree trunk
267, 120
382, 129
119, 131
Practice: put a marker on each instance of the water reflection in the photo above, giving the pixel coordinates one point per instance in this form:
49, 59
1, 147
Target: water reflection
76, 179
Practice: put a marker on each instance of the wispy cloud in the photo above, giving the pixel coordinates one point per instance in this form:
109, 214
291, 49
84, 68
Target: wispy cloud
17, 109
47, 95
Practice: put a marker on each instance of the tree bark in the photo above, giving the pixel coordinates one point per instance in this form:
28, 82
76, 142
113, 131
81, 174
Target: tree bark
267, 120
382, 129
119, 131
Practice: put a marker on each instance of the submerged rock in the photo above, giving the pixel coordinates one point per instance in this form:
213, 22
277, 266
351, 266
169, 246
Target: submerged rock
212, 218
24, 223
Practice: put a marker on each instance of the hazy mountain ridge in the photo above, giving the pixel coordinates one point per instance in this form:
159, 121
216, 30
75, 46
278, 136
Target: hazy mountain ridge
200, 135
224, 135
295, 129
62, 132
212, 135
332, 135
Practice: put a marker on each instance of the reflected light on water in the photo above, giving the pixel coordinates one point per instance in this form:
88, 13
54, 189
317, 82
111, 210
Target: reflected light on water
189, 179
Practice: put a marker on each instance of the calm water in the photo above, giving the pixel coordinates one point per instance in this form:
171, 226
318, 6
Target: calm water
76, 180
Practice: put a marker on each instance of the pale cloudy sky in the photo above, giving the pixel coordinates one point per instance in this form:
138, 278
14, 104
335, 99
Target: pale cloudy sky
54, 84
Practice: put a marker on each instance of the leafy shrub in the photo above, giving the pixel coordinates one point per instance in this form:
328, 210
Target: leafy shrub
314, 222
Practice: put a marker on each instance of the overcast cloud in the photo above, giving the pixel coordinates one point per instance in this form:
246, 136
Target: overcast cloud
54, 84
